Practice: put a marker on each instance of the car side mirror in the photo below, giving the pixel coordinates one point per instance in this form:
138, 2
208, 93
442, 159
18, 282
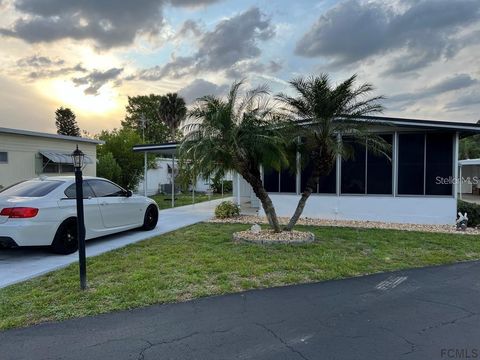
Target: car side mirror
128, 193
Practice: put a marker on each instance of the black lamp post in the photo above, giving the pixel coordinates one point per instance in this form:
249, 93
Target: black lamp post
78, 157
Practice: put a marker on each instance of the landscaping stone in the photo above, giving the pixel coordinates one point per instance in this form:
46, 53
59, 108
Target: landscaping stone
270, 237
448, 229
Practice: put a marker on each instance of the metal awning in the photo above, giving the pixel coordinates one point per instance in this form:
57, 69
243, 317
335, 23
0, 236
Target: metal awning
62, 158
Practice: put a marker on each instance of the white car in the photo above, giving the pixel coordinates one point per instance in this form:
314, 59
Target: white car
43, 212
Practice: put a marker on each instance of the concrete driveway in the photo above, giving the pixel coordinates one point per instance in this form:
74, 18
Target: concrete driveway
24, 263
430, 313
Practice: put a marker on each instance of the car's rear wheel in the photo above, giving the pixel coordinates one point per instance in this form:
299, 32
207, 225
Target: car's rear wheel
151, 218
65, 240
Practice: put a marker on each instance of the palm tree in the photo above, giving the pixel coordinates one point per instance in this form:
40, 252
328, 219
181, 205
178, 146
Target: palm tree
324, 112
238, 134
172, 111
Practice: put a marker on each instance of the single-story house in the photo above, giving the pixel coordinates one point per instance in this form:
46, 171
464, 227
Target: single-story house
159, 178
28, 154
417, 186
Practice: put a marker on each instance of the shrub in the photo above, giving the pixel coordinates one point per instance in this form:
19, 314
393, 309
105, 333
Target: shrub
227, 209
472, 210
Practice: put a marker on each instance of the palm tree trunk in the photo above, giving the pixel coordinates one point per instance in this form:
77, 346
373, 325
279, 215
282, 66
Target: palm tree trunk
252, 176
322, 166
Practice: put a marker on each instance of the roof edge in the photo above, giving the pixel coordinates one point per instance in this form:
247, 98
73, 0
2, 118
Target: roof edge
50, 136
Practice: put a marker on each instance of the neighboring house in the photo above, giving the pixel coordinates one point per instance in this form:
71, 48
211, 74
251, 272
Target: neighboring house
469, 174
417, 186
159, 179
28, 154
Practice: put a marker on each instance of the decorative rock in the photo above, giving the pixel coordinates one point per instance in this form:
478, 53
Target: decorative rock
256, 228
270, 237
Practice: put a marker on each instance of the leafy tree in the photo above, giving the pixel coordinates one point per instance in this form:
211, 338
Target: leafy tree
156, 131
172, 111
236, 134
119, 143
470, 147
108, 168
66, 122
330, 111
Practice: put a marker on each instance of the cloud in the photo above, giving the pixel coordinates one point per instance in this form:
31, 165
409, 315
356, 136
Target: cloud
39, 67
189, 27
455, 82
38, 61
466, 100
232, 40
425, 31
109, 23
200, 87
96, 79
244, 68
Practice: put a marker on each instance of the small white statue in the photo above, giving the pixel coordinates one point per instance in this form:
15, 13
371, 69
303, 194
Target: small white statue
462, 221
256, 228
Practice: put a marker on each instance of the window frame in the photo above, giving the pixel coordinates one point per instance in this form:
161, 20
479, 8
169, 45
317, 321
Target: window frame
394, 168
6, 154
124, 192
425, 133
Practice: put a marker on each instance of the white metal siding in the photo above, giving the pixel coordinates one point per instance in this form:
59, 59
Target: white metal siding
22, 151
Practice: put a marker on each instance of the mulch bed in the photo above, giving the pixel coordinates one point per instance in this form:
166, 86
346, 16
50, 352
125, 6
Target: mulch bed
270, 237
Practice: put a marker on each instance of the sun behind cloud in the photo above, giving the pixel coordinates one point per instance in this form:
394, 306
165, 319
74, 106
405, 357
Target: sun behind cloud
68, 94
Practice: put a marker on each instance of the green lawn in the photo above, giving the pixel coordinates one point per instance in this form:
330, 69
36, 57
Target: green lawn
201, 260
165, 201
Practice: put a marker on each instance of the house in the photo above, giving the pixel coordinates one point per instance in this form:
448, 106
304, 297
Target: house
469, 176
418, 185
159, 178
27, 154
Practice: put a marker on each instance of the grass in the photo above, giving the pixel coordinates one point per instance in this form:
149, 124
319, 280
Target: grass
165, 201
201, 260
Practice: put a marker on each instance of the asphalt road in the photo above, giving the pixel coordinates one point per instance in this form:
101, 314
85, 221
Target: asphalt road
430, 313
20, 264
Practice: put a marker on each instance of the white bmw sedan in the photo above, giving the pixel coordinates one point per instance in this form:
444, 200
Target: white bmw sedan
43, 212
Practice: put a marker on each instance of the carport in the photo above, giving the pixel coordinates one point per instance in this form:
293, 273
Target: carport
169, 150
166, 149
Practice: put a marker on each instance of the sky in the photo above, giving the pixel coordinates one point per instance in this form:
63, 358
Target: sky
90, 55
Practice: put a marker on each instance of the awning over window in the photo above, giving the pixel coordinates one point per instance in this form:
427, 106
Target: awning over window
62, 158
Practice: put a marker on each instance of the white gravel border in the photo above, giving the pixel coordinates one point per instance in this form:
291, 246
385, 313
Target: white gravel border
446, 229
270, 237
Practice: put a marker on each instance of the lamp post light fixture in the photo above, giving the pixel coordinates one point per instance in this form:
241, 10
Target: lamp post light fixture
78, 158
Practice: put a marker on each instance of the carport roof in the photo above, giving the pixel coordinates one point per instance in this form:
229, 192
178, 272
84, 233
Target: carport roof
164, 149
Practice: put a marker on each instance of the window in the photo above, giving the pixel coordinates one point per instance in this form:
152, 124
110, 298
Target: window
3, 157
439, 163
50, 167
379, 171
271, 180
32, 188
288, 181
353, 170
422, 160
71, 191
327, 184
103, 188
411, 160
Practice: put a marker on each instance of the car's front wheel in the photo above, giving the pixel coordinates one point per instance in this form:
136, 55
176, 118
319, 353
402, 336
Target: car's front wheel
65, 240
151, 218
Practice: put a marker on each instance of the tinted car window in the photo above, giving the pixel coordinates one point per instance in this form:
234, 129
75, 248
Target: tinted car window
31, 188
103, 188
71, 191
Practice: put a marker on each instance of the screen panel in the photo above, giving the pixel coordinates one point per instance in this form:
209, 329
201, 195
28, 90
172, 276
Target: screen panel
288, 180
328, 184
379, 171
439, 164
411, 152
353, 170
270, 180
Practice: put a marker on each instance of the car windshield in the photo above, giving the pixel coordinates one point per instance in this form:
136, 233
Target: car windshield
31, 188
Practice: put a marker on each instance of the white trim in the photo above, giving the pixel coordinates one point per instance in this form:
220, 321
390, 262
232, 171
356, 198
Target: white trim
51, 136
